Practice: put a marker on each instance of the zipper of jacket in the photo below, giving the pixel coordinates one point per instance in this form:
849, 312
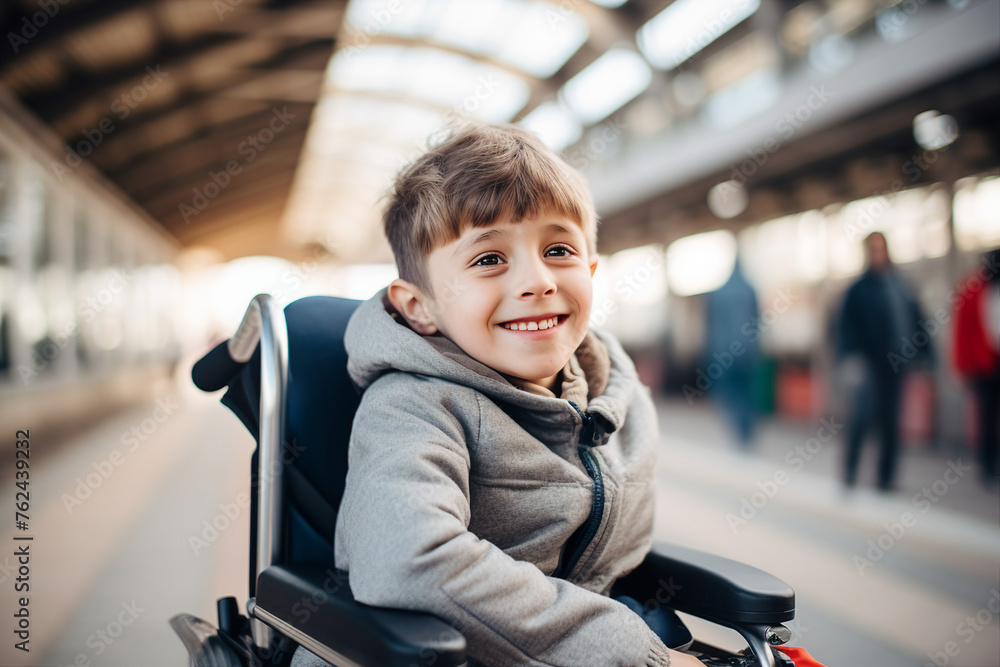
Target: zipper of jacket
595, 432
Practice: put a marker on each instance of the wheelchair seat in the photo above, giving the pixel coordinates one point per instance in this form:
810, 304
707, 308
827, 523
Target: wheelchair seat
285, 374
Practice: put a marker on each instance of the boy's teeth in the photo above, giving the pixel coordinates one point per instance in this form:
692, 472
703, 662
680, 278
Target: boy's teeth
532, 326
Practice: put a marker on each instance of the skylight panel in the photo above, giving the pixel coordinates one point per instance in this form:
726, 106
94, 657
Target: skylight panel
478, 27
687, 26
554, 124
534, 37
451, 81
606, 85
412, 18
544, 39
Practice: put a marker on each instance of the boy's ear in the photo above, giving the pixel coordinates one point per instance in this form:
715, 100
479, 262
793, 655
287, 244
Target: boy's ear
413, 305
593, 265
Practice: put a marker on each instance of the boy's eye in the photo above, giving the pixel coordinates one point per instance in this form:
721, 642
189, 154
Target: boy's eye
559, 251
488, 260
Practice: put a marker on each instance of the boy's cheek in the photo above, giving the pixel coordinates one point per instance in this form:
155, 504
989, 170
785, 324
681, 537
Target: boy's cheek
451, 290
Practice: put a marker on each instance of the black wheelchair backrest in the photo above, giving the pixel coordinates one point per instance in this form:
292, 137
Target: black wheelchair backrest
320, 405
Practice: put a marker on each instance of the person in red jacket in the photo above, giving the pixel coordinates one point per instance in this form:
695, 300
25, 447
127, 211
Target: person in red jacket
977, 353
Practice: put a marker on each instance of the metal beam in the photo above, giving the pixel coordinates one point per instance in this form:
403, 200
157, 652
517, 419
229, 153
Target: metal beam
212, 145
137, 123
50, 29
276, 161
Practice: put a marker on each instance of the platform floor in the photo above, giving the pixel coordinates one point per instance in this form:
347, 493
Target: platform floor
107, 573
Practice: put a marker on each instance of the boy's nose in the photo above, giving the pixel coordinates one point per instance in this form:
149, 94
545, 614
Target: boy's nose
537, 280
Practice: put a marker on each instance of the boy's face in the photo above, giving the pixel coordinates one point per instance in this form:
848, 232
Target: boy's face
492, 281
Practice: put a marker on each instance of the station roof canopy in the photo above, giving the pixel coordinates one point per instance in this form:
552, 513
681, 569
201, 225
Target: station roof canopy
199, 110
272, 126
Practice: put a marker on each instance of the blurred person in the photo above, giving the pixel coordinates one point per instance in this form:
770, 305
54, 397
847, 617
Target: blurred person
976, 354
877, 338
731, 342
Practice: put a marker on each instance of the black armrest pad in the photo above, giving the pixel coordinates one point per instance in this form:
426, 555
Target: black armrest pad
317, 600
709, 586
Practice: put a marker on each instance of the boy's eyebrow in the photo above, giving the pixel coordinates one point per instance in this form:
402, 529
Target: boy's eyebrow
559, 228
476, 239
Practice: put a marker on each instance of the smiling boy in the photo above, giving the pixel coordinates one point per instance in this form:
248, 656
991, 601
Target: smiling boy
501, 463
520, 295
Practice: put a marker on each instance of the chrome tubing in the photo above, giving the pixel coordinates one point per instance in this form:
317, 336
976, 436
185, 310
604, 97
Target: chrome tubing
264, 321
760, 638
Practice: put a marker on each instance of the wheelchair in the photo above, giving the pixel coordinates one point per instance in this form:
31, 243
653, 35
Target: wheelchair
286, 379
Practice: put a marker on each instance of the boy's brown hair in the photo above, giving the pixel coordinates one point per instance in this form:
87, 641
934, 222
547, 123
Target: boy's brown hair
479, 174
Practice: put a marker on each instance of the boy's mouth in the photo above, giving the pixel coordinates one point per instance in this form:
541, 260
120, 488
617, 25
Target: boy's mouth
536, 323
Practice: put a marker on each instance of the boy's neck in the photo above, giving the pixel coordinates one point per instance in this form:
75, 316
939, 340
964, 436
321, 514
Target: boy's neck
553, 386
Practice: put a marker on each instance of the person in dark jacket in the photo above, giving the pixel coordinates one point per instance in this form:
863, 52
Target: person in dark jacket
878, 336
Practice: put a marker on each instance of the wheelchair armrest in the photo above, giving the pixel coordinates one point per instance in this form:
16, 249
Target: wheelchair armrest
313, 605
710, 587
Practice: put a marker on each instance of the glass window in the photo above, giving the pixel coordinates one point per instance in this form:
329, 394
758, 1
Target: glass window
81, 241
38, 218
6, 210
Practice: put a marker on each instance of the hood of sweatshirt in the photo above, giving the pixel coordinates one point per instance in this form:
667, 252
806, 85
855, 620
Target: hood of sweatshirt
378, 341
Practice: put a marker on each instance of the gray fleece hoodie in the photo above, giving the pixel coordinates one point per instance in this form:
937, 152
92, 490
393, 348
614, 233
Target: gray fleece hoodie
474, 500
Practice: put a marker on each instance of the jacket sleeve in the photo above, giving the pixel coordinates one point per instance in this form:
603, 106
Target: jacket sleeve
847, 325
403, 535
